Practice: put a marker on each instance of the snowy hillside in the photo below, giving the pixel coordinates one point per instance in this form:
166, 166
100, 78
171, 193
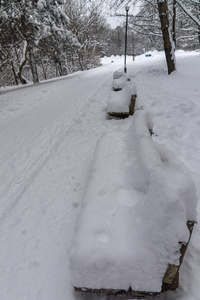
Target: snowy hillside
48, 136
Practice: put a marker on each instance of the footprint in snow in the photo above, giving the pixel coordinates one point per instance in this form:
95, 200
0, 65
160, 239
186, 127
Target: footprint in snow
77, 187
75, 204
101, 192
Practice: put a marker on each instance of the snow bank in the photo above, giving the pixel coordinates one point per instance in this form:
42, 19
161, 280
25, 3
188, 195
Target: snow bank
134, 212
119, 100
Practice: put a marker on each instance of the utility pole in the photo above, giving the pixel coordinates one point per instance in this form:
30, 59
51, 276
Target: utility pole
126, 33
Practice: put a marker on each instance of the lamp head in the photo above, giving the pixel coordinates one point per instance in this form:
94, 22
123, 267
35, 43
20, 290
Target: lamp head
127, 8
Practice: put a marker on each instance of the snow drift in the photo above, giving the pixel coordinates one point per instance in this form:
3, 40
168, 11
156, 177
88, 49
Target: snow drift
134, 212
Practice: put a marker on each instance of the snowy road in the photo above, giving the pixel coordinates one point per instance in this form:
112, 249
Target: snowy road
29, 137
44, 143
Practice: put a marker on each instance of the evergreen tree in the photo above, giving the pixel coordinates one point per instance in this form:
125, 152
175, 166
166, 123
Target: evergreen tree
24, 24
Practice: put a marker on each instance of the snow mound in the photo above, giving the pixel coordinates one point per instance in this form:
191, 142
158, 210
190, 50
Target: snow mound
134, 212
119, 101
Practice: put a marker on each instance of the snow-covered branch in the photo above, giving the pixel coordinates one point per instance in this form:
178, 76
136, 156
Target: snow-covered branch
188, 12
146, 33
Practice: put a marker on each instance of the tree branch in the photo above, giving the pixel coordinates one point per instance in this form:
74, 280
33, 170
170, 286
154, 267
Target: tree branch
192, 17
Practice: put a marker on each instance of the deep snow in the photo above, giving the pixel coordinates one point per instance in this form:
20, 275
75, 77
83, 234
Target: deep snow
134, 211
48, 134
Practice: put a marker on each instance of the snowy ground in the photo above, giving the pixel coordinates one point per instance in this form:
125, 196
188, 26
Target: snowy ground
48, 134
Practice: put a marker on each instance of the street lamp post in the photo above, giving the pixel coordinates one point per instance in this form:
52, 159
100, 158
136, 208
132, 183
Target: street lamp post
127, 9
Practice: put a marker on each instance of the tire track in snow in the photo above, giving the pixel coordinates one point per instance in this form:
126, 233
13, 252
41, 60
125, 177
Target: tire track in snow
17, 143
13, 197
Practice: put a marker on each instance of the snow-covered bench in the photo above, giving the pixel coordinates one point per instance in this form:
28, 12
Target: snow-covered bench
121, 103
132, 223
118, 73
119, 83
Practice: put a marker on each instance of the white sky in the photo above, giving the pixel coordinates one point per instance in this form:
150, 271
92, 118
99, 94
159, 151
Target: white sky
115, 21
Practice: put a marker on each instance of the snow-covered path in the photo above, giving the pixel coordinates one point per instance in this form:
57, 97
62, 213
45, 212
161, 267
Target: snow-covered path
29, 137
46, 149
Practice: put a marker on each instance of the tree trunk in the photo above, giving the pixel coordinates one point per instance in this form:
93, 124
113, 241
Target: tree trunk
198, 16
60, 68
33, 65
43, 69
29, 35
174, 22
167, 39
80, 62
22, 79
14, 73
